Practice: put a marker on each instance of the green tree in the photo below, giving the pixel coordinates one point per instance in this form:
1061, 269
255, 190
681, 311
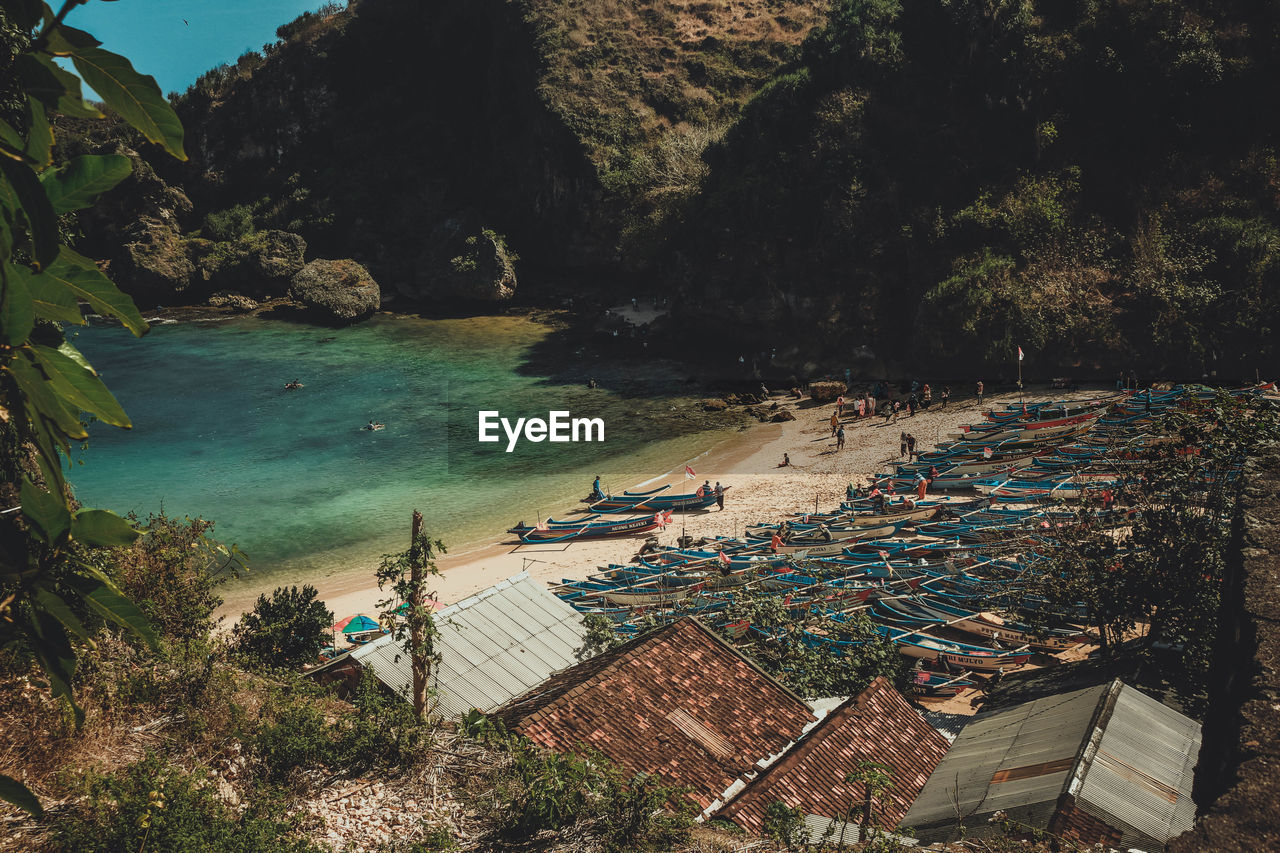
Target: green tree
287, 629
410, 611
45, 383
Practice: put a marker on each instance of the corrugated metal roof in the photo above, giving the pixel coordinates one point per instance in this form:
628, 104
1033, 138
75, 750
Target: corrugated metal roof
493, 646
1035, 733
1139, 778
1127, 759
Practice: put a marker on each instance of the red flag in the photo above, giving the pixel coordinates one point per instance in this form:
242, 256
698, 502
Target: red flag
724, 558
986, 453
1019, 353
689, 473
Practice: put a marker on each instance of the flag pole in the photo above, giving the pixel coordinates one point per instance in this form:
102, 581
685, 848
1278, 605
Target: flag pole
1020, 375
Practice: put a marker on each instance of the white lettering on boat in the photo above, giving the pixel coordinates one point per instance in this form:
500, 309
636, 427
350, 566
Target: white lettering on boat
559, 427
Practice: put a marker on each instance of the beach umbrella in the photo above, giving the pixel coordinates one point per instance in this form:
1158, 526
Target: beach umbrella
430, 602
358, 624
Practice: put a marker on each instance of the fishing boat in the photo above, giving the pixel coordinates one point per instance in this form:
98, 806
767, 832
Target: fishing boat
925, 683
655, 502
567, 531
914, 644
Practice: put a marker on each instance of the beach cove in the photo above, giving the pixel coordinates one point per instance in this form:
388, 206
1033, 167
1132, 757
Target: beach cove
746, 461
291, 477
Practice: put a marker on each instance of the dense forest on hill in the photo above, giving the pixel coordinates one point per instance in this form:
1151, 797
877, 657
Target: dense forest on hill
869, 182
1093, 181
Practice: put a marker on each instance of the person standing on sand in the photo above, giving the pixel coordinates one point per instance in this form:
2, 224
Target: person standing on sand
897, 407
840, 405
927, 396
922, 485
719, 495
911, 447
946, 395
840, 439
835, 422
980, 389
902, 444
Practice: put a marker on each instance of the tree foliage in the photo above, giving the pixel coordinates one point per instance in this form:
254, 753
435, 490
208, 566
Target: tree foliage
286, 630
1091, 181
46, 385
1166, 571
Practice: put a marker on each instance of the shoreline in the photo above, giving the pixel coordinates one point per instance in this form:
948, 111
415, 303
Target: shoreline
747, 463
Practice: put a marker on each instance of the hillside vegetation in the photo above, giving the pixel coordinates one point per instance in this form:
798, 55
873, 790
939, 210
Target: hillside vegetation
1093, 181
869, 183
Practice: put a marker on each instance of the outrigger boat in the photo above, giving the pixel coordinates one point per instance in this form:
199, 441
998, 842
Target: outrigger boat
562, 531
652, 501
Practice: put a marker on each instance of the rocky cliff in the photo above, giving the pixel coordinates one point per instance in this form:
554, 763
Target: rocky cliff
865, 183
436, 143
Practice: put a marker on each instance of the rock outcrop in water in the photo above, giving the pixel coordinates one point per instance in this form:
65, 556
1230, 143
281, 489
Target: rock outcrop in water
335, 291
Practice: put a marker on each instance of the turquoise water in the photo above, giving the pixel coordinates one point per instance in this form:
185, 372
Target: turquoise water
292, 478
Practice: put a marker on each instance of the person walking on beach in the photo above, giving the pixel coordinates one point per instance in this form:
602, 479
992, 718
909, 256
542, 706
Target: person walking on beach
835, 422
897, 407
911, 447
719, 495
902, 444
946, 395
840, 405
980, 389
840, 439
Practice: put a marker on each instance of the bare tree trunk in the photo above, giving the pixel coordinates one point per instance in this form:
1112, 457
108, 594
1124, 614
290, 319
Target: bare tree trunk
420, 659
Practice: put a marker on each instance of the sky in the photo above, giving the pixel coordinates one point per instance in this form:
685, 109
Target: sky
153, 35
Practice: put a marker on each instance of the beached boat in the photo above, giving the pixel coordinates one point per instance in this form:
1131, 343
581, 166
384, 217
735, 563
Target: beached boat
563, 532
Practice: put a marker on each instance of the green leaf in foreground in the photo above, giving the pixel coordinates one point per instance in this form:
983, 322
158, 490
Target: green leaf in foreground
50, 298
111, 604
100, 527
55, 87
21, 796
77, 184
80, 386
39, 145
136, 97
86, 282
29, 192
46, 511
17, 311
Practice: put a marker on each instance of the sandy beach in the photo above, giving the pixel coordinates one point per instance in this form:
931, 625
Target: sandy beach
747, 463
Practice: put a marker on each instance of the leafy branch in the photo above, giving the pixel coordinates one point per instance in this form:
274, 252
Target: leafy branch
46, 385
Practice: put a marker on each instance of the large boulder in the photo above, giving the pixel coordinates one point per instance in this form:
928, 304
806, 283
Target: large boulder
825, 390
152, 263
463, 262
341, 291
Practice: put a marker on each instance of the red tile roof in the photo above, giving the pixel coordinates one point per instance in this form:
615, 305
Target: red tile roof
678, 701
876, 725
